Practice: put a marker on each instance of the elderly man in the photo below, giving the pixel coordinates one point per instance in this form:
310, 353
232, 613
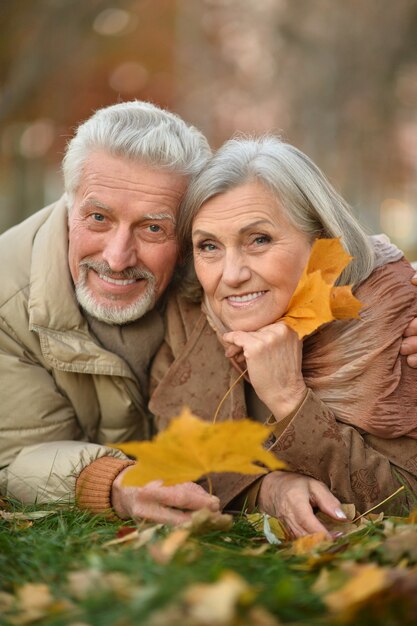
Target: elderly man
81, 316
80, 313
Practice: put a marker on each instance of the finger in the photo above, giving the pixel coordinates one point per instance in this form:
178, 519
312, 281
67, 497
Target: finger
412, 360
235, 338
411, 329
409, 346
188, 496
406, 347
306, 524
155, 512
232, 350
323, 499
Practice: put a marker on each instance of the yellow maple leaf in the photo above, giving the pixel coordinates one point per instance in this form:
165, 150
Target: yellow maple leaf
329, 257
191, 448
315, 300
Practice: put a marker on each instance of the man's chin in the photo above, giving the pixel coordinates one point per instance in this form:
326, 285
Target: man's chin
112, 311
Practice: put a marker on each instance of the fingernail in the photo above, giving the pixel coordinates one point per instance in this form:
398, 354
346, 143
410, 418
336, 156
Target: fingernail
340, 514
337, 534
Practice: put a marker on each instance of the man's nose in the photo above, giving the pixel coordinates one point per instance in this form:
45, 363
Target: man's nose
235, 268
121, 250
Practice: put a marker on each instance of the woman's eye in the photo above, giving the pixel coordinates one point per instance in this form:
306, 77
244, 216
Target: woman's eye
154, 228
261, 239
206, 247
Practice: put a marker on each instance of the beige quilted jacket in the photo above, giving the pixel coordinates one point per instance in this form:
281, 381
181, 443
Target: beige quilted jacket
62, 396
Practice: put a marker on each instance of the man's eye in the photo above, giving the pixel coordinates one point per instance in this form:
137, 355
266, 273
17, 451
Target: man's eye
154, 228
98, 217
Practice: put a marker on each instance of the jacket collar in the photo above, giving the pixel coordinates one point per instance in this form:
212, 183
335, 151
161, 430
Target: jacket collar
53, 309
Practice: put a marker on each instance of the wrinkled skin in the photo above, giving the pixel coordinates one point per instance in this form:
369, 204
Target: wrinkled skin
163, 505
291, 497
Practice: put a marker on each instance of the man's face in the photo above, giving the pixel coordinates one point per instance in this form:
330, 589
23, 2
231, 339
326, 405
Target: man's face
122, 246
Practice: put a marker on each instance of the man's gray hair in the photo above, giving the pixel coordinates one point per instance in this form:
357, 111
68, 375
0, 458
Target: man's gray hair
310, 201
137, 131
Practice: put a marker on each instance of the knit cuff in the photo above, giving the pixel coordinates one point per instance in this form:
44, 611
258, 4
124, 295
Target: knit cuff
94, 484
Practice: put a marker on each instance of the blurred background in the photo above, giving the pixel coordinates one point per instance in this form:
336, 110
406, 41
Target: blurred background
337, 78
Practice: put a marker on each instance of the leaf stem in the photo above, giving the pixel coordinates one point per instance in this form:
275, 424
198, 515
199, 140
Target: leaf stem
379, 503
238, 379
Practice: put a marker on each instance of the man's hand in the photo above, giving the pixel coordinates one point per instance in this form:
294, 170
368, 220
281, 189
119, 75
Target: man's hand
409, 344
163, 505
291, 498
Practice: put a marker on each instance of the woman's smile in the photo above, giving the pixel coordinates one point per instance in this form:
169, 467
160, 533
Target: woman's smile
245, 299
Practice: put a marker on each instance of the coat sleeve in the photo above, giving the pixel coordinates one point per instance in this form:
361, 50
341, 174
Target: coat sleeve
42, 451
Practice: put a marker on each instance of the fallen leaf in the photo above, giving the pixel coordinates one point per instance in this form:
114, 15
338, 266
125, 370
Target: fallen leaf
29, 516
259, 616
315, 300
137, 538
6, 602
163, 551
85, 583
273, 529
367, 582
349, 510
412, 517
333, 525
125, 530
326, 581
191, 448
215, 604
204, 521
402, 544
306, 543
34, 602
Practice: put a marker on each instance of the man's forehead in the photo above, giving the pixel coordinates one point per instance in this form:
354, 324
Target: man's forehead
101, 168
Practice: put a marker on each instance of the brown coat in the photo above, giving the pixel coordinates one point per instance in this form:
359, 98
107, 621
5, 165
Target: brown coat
358, 385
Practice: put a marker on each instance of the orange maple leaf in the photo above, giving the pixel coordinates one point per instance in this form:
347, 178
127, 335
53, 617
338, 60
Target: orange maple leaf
315, 300
191, 448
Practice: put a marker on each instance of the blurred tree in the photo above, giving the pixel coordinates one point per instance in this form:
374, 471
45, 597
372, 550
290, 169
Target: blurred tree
60, 60
338, 79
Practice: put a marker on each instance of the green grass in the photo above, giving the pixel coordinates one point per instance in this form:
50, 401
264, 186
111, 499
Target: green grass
131, 587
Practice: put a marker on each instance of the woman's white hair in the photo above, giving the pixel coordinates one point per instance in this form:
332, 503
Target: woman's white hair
310, 201
137, 131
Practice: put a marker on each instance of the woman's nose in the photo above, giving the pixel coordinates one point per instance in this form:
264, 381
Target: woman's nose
235, 269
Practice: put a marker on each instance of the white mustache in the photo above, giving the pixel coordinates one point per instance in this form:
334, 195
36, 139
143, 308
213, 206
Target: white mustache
101, 267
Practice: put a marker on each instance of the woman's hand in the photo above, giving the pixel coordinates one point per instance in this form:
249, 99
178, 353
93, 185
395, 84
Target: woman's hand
273, 357
160, 504
291, 498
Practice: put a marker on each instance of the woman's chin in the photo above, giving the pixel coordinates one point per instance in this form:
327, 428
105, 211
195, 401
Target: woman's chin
248, 325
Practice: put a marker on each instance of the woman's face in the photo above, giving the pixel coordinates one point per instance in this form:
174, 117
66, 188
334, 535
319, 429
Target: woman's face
248, 256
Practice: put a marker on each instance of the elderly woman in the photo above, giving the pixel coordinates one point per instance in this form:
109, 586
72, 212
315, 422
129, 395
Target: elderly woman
342, 404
